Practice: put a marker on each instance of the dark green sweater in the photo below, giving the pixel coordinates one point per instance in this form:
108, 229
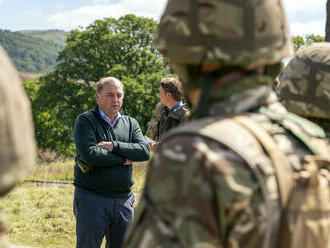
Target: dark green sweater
109, 175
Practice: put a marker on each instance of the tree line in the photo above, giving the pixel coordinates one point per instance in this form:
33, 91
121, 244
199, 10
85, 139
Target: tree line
122, 48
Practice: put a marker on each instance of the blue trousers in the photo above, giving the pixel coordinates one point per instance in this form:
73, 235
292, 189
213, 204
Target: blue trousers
98, 217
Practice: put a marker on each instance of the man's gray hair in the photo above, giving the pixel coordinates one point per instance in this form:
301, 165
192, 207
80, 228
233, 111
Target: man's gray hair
108, 80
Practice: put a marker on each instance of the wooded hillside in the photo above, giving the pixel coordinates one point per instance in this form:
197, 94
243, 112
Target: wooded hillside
57, 36
29, 53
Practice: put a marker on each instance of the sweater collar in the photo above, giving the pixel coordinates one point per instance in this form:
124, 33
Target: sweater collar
100, 113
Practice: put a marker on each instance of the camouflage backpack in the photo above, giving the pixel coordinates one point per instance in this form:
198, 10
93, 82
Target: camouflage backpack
299, 207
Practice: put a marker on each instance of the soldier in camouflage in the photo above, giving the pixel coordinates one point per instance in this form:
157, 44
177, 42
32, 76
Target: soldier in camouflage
170, 112
305, 84
210, 183
16, 132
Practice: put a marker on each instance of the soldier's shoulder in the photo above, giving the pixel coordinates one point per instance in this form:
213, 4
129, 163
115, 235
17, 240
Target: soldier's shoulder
158, 111
159, 105
187, 144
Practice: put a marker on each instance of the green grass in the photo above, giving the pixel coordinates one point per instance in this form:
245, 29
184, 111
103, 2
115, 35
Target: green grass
41, 216
60, 170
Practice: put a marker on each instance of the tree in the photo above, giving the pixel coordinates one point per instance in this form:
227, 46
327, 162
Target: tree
54, 104
327, 25
122, 48
106, 45
303, 41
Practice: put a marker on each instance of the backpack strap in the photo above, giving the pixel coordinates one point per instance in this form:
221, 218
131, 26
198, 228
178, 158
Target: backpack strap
283, 171
306, 131
231, 134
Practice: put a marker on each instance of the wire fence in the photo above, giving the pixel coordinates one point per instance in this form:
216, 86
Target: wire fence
38, 181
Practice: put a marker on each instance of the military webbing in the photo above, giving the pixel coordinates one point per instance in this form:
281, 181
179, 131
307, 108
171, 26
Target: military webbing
290, 123
218, 131
163, 226
283, 171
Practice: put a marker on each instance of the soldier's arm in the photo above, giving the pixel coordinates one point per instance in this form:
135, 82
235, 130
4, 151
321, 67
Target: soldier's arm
197, 195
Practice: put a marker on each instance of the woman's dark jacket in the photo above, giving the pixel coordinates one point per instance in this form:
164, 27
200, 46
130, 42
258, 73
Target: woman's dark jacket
170, 119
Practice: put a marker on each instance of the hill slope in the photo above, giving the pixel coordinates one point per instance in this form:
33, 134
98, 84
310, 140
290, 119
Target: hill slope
57, 36
30, 54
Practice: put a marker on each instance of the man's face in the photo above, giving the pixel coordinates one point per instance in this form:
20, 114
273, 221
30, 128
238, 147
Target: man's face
110, 99
163, 95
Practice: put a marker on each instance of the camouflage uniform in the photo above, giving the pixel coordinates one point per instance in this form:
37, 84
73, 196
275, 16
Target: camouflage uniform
305, 84
156, 116
16, 132
171, 119
200, 193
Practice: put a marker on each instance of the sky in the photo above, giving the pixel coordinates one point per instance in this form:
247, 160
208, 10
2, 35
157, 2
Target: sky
304, 16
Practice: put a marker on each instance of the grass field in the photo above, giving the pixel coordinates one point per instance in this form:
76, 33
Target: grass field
41, 215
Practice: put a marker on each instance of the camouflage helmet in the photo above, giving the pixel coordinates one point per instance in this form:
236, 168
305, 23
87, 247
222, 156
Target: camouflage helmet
305, 82
16, 131
246, 33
